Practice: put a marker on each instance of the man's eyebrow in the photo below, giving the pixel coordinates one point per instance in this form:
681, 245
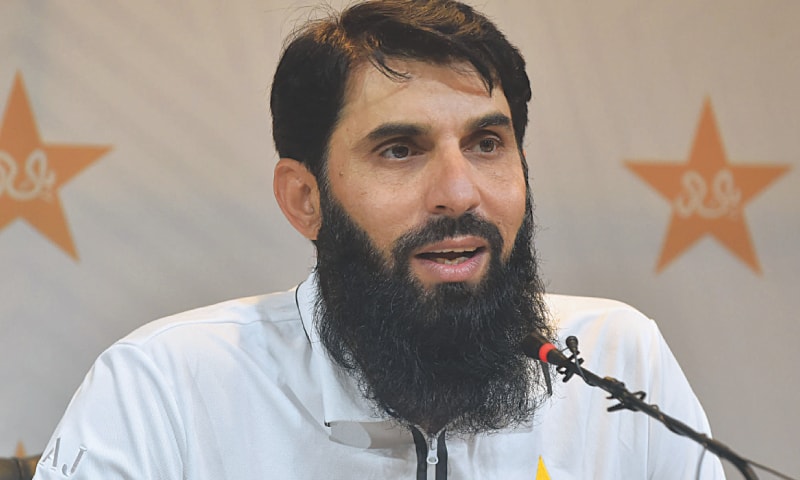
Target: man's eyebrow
403, 129
490, 120
388, 130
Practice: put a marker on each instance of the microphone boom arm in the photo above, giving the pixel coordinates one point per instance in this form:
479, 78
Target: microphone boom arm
636, 403
548, 353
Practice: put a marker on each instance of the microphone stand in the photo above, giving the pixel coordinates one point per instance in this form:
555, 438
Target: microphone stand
635, 402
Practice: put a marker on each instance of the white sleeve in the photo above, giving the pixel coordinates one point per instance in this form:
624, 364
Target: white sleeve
122, 423
621, 342
670, 455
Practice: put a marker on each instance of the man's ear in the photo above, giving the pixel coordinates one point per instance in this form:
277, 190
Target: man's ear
297, 193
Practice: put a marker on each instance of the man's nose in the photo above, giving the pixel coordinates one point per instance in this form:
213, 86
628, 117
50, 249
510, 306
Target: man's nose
452, 186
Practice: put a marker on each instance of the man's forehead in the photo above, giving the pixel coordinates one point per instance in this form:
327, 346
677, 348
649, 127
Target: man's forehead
460, 75
416, 86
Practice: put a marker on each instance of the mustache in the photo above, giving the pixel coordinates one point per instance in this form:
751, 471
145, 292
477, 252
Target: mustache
441, 228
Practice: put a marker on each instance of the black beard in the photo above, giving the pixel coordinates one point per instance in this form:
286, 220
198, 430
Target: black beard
447, 356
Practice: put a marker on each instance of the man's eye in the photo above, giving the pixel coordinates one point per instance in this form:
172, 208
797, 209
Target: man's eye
488, 145
397, 152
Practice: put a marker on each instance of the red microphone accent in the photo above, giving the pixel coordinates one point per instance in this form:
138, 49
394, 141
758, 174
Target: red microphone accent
544, 350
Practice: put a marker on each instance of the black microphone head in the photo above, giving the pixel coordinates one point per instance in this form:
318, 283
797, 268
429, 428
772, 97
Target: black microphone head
535, 345
532, 343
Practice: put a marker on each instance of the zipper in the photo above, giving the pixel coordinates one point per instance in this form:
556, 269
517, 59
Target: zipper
433, 454
431, 450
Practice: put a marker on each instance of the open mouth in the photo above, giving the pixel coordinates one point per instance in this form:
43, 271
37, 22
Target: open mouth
450, 256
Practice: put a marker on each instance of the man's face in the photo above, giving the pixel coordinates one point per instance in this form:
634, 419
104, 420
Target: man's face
437, 144
425, 267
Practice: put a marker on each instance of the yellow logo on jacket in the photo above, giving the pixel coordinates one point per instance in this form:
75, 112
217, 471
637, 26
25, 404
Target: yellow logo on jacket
541, 471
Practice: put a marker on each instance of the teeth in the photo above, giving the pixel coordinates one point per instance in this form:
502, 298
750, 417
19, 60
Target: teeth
453, 250
450, 256
451, 262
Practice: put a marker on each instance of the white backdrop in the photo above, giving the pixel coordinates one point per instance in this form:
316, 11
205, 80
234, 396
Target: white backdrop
178, 212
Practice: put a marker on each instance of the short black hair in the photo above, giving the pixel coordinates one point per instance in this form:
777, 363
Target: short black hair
309, 85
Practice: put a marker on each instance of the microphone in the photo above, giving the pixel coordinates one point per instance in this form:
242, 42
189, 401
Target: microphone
534, 345
572, 344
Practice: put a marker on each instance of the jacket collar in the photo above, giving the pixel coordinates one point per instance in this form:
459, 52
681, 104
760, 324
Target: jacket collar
342, 399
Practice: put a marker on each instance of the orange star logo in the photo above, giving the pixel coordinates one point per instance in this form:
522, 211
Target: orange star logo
708, 194
32, 172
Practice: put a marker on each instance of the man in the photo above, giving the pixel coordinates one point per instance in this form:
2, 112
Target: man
399, 125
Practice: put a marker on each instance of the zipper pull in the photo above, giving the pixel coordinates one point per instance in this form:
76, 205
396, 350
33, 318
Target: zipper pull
433, 447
